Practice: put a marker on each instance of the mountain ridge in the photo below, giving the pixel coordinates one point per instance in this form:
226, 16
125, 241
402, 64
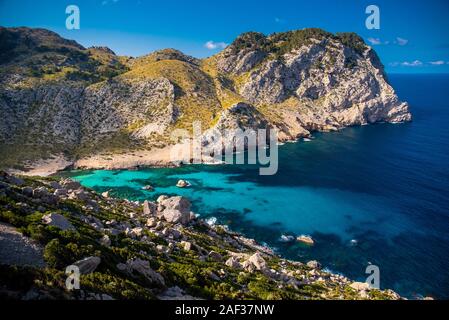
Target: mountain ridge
83, 103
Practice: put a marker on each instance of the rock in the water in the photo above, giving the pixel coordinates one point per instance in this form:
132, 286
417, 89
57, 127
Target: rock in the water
88, 265
148, 188
314, 264
286, 238
57, 220
306, 239
183, 184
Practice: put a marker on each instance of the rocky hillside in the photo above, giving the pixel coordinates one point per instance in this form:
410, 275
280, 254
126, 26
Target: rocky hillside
60, 98
131, 250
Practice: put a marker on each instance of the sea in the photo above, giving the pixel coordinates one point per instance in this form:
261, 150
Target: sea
368, 195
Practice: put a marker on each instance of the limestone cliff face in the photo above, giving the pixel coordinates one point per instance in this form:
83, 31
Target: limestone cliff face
54, 93
324, 84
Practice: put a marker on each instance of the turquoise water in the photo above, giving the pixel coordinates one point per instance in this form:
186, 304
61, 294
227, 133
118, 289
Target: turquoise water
385, 186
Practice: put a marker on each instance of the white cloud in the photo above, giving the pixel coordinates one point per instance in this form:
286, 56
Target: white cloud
437, 63
401, 41
377, 41
211, 45
374, 41
415, 63
105, 2
279, 20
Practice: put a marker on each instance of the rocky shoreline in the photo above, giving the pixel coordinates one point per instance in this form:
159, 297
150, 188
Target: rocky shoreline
152, 250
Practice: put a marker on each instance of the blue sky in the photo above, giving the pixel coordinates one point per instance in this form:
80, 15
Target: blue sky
413, 35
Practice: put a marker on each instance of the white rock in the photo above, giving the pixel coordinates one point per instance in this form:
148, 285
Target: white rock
258, 261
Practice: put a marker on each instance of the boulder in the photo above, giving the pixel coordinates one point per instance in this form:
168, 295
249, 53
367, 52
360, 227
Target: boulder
27, 191
105, 194
151, 222
44, 195
13, 179
40, 193
183, 184
149, 208
80, 194
60, 192
233, 263
176, 209
215, 256
258, 261
143, 268
248, 266
70, 184
360, 286
171, 233
88, 265
57, 220
161, 198
134, 232
314, 264
105, 240
305, 239
54, 185
186, 245
174, 216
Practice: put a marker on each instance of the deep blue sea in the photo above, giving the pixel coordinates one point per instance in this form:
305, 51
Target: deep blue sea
385, 186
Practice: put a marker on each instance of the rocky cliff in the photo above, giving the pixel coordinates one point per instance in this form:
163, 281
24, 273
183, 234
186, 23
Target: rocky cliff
57, 97
131, 250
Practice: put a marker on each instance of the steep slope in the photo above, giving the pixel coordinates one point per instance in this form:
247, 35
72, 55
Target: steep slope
322, 81
127, 250
58, 97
